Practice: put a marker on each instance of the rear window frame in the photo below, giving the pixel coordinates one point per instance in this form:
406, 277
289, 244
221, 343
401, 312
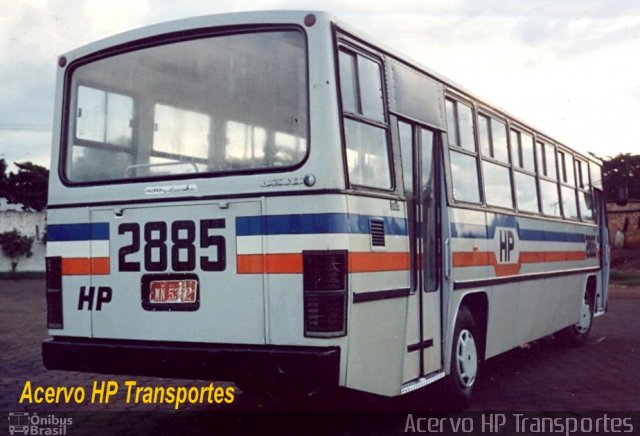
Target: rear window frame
155, 41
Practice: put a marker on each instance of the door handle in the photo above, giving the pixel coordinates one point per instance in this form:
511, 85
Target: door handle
447, 260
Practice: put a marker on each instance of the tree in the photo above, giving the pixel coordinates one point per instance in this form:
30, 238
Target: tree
27, 187
622, 170
16, 246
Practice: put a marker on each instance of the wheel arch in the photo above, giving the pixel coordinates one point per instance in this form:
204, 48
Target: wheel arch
478, 304
472, 307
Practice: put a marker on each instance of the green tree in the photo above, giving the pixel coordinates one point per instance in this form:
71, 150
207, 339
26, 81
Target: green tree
622, 170
27, 187
16, 246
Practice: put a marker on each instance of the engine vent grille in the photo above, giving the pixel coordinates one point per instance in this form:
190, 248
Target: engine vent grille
376, 228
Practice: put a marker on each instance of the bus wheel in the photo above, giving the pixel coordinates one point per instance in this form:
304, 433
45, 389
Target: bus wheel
465, 361
578, 333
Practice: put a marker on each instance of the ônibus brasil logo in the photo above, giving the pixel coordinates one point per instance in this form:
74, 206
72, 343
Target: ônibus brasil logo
34, 424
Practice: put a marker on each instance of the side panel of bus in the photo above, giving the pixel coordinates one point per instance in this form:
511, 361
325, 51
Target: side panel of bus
379, 285
543, 265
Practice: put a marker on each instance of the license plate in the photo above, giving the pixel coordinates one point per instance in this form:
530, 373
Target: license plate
169, 292
173, 291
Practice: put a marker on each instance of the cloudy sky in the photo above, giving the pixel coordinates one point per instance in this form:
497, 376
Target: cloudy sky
569, 67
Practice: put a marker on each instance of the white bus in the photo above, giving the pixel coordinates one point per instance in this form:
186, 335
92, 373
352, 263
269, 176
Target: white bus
271, 198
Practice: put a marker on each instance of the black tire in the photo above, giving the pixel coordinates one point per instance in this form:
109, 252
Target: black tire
465, 361
578, 333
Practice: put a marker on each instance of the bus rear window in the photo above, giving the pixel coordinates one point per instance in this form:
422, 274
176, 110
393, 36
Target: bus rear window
212, 105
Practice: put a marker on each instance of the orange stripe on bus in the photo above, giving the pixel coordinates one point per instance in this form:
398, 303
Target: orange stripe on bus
291, 263
100, 265
371, 262
288, 263
472, 258
463, 259
284, 263
249, 264
84, 266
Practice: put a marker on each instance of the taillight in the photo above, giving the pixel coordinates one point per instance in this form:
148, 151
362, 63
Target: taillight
54, 292
325, 293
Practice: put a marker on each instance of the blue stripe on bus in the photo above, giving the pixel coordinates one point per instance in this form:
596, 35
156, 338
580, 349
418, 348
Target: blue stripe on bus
78, 232
315, 223
479, 231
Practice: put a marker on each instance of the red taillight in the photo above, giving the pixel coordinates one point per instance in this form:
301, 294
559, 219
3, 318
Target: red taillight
325, 293
54, 292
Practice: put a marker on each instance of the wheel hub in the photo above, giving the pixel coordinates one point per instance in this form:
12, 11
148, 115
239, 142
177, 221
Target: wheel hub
466, 358
585, 318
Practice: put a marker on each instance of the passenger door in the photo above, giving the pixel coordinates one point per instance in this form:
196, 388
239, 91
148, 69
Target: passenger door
603, 241
423, 334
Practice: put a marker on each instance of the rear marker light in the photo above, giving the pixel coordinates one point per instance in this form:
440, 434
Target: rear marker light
54, 292
325, 293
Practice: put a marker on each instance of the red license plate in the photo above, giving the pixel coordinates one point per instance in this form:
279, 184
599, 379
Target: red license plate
173, 291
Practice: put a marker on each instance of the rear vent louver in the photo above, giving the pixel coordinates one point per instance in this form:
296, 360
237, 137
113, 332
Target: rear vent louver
376, 228
325, 293
54, 292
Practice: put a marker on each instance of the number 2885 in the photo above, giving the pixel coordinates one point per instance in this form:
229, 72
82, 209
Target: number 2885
180, 248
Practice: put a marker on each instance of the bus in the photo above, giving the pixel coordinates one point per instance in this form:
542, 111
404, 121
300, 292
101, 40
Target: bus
274, 199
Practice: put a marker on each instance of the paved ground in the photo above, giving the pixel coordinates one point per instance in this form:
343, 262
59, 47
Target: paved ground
603, 375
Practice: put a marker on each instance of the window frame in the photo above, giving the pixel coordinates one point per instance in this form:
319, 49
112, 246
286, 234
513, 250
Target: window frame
69, 104
493, 118
565, 157
346, 46
457, 148
541, 158
521, 131
581, 164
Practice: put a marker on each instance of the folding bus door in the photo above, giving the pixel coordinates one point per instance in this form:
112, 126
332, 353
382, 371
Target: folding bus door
423, 334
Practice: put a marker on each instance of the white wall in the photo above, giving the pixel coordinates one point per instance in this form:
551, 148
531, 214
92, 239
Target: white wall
29, 224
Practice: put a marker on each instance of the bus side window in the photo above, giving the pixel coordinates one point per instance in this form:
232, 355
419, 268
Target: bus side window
464, 172
493, 138
585, 200
549, 194
595, 175
495, 162
463, 155
460, 125
567, 185
524, 175
569, 205
550, 158
365, 126
497, 184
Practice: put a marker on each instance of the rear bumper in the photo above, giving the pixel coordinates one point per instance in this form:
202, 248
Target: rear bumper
247, 365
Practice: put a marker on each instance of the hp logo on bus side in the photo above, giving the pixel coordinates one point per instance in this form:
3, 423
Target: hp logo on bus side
506, 245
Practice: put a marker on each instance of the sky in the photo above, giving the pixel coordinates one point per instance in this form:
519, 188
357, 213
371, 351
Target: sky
569, 68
